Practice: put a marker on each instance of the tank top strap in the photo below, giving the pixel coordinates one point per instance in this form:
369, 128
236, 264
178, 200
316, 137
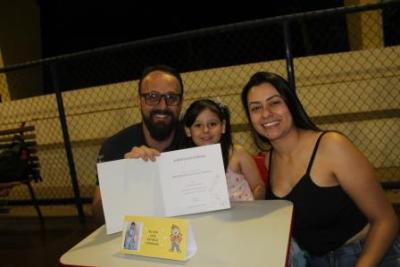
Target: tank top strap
314, 153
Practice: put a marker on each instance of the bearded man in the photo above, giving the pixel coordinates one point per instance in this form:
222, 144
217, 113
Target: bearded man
160, 93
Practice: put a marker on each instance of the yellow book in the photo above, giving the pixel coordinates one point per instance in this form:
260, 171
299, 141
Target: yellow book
168, 238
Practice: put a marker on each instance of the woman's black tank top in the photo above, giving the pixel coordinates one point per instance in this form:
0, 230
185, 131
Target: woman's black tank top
324, 218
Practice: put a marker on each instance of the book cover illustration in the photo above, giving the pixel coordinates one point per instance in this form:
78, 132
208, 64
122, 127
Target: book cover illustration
168, 238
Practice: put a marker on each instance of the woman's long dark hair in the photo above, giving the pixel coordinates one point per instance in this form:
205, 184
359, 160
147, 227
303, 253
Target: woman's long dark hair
223, 114
300, 118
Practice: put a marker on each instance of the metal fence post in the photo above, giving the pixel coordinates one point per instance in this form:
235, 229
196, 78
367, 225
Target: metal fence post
288, 55
67, 142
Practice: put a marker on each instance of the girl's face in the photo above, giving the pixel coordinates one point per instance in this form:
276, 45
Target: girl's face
269, 113
207, 129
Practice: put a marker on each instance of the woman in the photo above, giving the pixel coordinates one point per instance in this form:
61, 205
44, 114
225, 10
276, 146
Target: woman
341, 214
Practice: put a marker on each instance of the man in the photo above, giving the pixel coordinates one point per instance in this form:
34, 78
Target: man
160, 93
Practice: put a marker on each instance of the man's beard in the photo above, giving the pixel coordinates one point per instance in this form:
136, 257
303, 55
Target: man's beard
160, 130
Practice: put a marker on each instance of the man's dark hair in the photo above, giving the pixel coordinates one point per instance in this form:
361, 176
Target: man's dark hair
162, 68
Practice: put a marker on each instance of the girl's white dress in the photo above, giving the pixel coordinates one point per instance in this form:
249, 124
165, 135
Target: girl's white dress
238, 187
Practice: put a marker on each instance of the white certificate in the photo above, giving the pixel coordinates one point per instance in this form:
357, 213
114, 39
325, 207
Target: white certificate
193, 180
179, 182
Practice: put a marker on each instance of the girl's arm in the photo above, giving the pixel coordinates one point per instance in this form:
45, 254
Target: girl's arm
248, 167
356, 176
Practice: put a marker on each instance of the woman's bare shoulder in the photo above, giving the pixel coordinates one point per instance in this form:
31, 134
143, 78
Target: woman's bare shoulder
336, 147
335, 140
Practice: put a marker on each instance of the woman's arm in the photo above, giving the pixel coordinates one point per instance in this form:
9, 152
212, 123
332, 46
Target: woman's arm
248, 167
356, 176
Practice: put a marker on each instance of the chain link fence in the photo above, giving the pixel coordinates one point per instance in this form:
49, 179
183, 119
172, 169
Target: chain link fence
345, 63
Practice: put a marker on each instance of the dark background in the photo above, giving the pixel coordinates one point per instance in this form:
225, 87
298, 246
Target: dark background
70, 26
74, 26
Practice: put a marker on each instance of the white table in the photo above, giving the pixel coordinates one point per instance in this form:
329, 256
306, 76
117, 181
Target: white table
249, 234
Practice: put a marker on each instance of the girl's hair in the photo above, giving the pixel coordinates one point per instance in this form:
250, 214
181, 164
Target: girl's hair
300, 118
223, 114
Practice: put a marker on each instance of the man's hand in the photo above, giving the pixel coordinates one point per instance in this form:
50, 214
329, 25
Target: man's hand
142, 152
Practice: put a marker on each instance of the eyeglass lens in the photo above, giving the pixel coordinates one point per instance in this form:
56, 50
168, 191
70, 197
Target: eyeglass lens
153, 98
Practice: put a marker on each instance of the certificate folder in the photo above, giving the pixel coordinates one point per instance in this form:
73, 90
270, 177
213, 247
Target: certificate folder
179, 182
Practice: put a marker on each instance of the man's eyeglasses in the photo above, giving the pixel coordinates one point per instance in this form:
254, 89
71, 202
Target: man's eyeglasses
153, 98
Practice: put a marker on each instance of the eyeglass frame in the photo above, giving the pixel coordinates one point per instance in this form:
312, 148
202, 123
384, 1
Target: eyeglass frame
166, 97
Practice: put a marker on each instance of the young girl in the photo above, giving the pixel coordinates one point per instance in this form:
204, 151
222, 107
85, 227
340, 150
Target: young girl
206, 123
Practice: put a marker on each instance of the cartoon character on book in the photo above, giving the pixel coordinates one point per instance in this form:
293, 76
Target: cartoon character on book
176, 238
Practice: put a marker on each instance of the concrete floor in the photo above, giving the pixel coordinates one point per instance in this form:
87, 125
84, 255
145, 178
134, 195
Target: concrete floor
24, 242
